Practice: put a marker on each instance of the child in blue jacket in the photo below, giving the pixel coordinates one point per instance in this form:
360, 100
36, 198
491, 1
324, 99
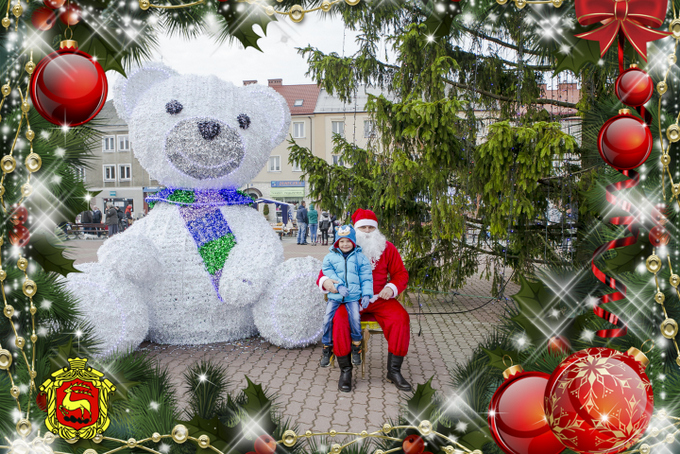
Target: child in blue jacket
346, 264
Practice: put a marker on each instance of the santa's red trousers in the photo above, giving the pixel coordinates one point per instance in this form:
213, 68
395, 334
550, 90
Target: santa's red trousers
390, 315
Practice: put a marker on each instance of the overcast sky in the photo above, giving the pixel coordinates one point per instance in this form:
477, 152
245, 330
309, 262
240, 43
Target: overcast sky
278, 58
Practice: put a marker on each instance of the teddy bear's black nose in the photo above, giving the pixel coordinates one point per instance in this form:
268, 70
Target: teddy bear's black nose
209, 129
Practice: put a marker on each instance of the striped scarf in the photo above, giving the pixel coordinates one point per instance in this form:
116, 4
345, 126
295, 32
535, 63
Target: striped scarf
200, 210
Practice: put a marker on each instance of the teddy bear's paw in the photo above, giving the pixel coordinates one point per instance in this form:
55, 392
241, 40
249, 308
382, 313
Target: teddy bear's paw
240, 290
291, 312
117, 315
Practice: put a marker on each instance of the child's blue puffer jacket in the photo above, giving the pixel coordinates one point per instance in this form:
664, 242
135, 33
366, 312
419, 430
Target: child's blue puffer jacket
353, 271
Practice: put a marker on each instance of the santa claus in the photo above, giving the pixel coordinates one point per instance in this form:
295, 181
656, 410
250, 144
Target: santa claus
389, 280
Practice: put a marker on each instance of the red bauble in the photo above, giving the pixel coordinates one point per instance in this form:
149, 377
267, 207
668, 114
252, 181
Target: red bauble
634, 87
599, 400
659, 214
659, 236
559, 344
19, 214
413, 444
265, 444
516, 416
68, 87
41, 401
625, 142
54, 4
19, 235
43, 18
70, 15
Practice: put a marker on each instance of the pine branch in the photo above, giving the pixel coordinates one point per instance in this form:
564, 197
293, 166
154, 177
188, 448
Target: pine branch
509, 99
499, 41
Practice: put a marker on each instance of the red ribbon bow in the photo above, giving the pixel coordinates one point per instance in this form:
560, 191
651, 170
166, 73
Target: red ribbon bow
631, 17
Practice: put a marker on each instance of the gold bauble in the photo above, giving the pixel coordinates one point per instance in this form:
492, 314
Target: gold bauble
204, 441
645, 449
98, 438
653, 263
8, 164
336, 448
269, 10
326, 6
296, 13
17, 10
476, 451
673, 133
33, 162
449, 449
379, 451
156, 437
666, 159
29, 288
33, 374
49, 438
308, 433
6, 23
34, 339
14, 391
670, 439
20, 342
26, 189
6, 89
654, 432
425, 428
501, 2
363, 434
30, 135
386, 428
24, 428
144, 5
73, 441
3, 275
521, 3
33, 310
669, 328
22, 264
131, 443
289, 438
332, 433
90, 451
25, 107
672, 59
180, 434
674, 280
5, 359
557, 3
352, 2
8, 311
29, 67
662, 87
659, 297
674, 28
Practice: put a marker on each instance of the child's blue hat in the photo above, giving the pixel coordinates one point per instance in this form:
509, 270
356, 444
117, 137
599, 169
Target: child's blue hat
345, 231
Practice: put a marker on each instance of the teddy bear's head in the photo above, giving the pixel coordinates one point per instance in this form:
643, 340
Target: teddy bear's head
192, 131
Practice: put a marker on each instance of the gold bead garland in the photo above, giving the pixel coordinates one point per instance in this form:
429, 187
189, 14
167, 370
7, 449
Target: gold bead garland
522, 3
669, 327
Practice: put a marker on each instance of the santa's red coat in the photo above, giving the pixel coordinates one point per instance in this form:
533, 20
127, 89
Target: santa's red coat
390, 314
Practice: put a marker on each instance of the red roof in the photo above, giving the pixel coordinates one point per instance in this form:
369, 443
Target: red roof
308, 93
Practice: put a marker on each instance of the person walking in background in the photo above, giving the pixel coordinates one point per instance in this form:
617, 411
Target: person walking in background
302, 222
97, 219
324, 226
111, 219
128, 214
313, 217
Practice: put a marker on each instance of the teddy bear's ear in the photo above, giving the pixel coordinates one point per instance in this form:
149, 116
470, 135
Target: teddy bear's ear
275, 110
128, 92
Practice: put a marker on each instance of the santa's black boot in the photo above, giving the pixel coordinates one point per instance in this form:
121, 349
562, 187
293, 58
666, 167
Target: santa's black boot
345, 382
394, 372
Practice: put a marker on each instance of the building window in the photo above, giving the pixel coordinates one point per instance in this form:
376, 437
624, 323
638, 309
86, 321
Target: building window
298, 130
80, 173
109, 144
298, 102
338, 127
369, 128
337, 160
296, 167
275, 163
123, 143
124, 172
109, 173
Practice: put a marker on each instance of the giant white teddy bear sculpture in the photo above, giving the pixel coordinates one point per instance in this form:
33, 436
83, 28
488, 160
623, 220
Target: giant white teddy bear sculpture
203, 266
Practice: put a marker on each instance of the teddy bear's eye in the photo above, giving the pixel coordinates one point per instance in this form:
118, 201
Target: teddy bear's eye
243, 121
174, 107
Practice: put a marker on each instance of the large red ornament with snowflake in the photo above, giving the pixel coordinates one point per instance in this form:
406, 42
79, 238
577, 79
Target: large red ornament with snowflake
599, 400
625, 141
68, 87
516, 417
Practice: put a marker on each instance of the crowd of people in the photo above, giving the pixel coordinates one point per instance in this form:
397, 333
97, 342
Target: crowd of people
115, 219
308, 221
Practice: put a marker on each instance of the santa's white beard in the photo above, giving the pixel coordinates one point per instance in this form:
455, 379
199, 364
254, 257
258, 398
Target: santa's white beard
372, 244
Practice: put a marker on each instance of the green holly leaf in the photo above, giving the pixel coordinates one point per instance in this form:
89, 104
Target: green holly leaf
258, 407
576, 53
422, 404
496, 358
477, 438
101, 43
628, 257
49, 255
221, 436
240, 24
534, 300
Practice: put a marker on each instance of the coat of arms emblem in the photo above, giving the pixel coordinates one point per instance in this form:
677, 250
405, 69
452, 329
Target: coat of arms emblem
77, 401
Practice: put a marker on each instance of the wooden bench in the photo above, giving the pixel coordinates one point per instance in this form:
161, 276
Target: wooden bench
369, 326
78, 230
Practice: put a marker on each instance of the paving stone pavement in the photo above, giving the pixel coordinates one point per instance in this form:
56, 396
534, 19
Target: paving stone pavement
307, 393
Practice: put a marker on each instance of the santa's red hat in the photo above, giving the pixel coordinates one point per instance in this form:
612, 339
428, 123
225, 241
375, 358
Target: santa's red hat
363, 217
